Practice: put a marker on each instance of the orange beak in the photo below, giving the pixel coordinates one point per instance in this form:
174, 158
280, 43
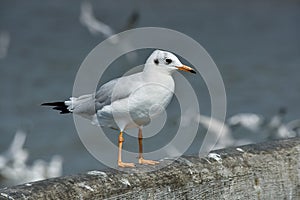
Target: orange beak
186, 69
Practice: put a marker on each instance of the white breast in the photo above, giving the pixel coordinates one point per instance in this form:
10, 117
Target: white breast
144, 102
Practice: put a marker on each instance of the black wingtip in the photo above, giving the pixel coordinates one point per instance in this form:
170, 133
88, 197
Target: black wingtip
60, 106
193, 71
58, 103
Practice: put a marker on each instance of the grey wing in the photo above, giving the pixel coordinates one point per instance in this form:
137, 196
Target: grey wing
116, 89
104, 93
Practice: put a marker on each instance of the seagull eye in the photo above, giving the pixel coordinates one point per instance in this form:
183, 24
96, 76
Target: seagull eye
168, 61
156, 61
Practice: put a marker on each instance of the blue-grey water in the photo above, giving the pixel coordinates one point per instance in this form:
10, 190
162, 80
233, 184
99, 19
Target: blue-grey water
255, 45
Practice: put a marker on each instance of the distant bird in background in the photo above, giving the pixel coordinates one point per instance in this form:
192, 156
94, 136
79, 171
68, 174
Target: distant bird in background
259, 128
15, 155
250, 121
294, 127
275, 127
222, 139
55, 167
88, 19
13, 167
96, 27
214, 126
245, 128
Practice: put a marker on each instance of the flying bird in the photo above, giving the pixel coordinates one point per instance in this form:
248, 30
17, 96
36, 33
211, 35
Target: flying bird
129, 101
97, 27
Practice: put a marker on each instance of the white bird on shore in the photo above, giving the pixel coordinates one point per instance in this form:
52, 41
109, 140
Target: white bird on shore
247, 128
129, 101
13, 167
219, 129
15, 155
294, 127
257, 128
275, 128
250, 121
244, 128
55, 167
222, 136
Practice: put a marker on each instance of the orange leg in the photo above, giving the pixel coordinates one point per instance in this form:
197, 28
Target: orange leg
141, 158
120, 163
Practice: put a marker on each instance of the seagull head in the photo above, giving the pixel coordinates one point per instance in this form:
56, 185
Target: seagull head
165, 61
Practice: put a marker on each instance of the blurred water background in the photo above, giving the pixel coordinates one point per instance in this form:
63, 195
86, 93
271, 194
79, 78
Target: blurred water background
255, 45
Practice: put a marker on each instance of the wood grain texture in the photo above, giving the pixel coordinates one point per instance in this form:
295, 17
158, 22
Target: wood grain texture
262, 171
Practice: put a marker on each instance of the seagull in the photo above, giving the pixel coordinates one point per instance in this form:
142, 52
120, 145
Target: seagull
275, 128
129, 101
222, 134
294, 127
96, 27
250, 121
14, 169
88, 19
221, 131
15, 155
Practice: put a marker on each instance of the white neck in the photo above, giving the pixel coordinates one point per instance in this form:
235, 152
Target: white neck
160, 76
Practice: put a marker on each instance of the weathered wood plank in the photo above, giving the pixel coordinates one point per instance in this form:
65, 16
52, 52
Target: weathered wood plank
263, 171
